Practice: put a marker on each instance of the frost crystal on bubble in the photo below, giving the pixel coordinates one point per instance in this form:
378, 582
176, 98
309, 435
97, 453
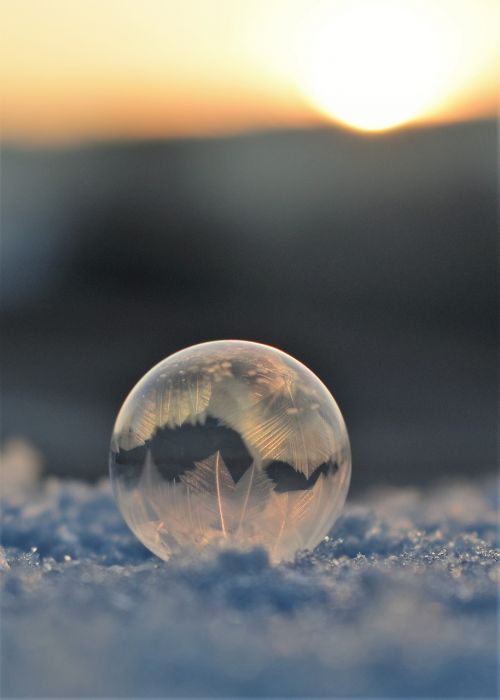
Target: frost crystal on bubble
230, 443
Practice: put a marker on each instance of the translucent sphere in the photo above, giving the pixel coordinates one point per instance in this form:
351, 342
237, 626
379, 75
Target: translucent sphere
230, 443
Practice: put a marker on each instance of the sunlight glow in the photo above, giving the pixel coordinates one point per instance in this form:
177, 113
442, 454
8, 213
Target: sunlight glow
376, 65
122, 68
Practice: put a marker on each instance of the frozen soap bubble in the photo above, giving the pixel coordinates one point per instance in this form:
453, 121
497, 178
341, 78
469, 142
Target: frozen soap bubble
230, 443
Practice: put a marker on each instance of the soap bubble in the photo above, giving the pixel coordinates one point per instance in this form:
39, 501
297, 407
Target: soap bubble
230, 443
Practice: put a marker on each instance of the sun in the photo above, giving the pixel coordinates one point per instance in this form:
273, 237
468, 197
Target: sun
375, 64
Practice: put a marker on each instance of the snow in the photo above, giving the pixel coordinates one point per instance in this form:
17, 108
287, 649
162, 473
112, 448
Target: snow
399, 601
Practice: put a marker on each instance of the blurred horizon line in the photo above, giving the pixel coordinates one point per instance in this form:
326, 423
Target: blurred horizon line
319, 125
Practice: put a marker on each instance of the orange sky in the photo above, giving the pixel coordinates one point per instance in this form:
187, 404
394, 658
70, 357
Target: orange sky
76, 69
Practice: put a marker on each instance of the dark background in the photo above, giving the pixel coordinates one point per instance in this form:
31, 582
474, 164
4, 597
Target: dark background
372, 259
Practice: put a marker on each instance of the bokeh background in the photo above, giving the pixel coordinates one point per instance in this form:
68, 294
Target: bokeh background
180, 172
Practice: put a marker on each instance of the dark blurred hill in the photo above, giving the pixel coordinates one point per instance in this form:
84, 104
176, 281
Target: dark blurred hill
371, 259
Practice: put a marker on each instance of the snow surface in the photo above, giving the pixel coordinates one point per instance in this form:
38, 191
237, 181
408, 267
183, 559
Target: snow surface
399, 601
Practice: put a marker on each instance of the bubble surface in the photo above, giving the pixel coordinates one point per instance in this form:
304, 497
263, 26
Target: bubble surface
230, 443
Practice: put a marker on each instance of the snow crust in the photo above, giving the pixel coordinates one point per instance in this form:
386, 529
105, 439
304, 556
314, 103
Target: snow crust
399, 601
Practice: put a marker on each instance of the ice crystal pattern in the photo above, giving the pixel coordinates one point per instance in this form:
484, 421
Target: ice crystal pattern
230, 443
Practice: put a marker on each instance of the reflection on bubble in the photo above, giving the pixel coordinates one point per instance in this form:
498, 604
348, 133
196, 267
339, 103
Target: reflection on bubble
230, 443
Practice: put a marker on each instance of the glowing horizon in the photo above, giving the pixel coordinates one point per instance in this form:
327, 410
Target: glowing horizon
102, 68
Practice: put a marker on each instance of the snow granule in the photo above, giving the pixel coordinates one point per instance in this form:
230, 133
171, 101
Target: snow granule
399, 601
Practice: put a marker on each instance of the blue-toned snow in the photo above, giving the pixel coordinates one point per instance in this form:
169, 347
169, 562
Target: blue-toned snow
399, 601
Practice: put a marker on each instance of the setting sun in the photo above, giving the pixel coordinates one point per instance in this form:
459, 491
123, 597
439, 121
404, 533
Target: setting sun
376, 65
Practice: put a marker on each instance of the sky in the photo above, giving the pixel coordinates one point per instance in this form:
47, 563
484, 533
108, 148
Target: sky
121, 68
